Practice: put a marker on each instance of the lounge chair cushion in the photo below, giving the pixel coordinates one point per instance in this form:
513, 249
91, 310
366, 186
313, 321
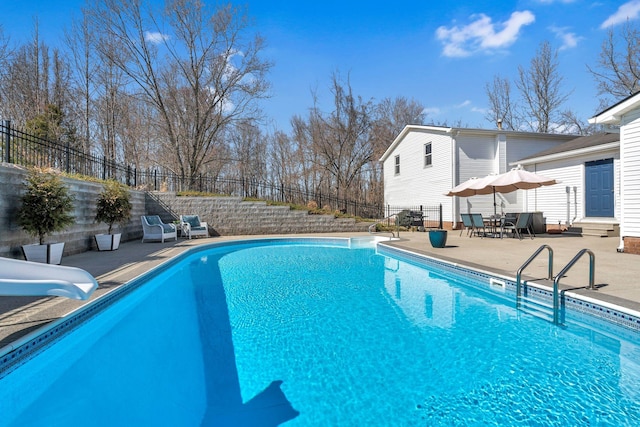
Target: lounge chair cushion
193, 221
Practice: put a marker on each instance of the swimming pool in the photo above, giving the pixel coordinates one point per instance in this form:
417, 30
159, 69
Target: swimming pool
309, 332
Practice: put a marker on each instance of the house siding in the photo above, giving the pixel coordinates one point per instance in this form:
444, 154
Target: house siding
415, 183
477, 157
457, 154
552, 200
630, 153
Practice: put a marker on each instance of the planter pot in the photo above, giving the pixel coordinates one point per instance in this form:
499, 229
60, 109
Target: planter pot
108, 242
438, 238
50, 253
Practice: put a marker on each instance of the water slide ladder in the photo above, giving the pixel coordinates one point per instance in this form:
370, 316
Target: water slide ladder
543, 309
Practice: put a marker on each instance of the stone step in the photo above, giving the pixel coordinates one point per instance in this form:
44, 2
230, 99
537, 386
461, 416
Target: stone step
599, 229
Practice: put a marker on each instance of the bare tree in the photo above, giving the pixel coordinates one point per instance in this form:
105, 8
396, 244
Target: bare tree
389, 118
541, 90
502, 108
617, 70
198, 69
342, 138
572, 124
84, 63
249, 148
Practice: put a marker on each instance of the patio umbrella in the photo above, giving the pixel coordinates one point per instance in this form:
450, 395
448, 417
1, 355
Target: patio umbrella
515, 179
471, 187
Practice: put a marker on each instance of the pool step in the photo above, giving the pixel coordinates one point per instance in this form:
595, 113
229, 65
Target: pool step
536, 307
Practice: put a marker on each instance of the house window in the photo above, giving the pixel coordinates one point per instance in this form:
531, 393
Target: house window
427, 154
397, 169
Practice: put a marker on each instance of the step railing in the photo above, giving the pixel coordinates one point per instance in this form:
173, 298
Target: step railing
372, 227
556, 282
526, 263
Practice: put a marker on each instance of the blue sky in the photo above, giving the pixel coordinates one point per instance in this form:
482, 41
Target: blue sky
440, 53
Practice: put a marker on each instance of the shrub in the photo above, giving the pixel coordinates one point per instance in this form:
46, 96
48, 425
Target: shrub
46, 205
113, 204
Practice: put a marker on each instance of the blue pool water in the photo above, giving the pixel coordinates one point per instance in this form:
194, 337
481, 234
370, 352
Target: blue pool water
299, 334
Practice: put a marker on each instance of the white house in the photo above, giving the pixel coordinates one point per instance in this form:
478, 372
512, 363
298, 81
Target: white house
588, 194
425, 162
626, 115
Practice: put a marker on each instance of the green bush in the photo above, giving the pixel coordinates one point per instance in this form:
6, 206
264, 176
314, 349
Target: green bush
113, 204
46, 205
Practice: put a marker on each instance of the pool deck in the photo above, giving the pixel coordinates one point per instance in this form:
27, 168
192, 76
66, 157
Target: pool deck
617, 275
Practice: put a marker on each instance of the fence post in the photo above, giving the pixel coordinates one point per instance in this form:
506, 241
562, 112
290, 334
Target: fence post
7, 141
440, 222
67, 157
104, 167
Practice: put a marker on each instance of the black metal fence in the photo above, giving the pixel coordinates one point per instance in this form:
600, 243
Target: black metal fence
21, 148
414, 216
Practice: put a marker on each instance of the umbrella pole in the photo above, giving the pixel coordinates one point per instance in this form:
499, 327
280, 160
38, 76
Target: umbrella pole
495, 212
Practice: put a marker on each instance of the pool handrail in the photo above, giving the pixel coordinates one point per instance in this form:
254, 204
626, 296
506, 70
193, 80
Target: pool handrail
556, 282
529, 261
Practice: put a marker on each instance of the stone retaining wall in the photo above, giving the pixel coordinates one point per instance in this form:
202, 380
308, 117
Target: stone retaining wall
225, 215
233, 216
79, 236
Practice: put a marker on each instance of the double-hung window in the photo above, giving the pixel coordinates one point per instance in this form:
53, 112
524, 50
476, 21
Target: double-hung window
397, 165
427, 155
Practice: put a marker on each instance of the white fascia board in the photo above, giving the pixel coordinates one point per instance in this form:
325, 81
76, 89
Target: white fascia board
614, 114
613, 146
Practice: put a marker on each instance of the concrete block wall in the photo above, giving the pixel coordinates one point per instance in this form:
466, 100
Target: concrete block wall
79, 237
225, 215
233, 216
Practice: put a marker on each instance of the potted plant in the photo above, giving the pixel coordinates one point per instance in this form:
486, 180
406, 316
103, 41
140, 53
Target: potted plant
46, 207
113, 206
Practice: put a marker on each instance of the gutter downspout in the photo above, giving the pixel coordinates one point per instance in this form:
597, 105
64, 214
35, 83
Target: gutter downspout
621, 168
455, 200
568, 222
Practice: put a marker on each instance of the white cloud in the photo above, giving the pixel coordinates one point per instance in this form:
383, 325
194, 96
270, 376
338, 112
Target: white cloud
569, 40
630, 10
155, 37
482, 34
431, 111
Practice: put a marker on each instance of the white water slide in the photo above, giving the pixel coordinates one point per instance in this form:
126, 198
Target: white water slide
25, 278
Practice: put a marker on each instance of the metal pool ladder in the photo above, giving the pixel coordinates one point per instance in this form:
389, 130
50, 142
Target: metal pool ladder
526, 263
556, 280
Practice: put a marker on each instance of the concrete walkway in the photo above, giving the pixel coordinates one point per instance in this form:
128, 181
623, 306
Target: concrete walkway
617, 275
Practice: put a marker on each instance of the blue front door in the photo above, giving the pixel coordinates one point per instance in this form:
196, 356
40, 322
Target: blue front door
599, 188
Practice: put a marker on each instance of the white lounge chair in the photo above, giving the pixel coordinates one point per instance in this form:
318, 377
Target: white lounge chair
26, 278
154, 229
193, 227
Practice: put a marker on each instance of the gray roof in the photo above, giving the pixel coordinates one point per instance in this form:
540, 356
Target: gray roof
578, 143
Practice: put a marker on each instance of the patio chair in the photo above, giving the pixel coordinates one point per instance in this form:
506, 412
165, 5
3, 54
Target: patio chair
478, 224
154, 229
468, 224
193, 227
517, 228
